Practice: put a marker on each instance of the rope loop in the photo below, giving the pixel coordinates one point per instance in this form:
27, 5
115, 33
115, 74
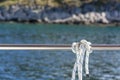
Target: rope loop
81, 49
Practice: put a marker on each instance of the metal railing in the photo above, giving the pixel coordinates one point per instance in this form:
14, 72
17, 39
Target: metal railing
55, 46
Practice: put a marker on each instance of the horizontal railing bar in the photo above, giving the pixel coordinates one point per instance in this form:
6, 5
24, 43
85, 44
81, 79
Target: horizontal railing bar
55, 46
35, 45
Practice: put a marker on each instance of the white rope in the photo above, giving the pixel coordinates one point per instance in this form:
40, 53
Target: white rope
80, 48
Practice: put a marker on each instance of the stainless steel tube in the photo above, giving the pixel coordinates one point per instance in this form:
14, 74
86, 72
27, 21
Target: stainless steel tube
55, 46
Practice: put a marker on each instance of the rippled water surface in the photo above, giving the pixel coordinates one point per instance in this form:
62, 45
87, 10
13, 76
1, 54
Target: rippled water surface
56, 65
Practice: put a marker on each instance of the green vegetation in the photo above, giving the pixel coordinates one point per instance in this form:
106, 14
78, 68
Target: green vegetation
50, 2
40, 2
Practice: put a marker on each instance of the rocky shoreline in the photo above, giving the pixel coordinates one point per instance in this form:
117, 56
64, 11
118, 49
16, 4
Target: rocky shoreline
86, 14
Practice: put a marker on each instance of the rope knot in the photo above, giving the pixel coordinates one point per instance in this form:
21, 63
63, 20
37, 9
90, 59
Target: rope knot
81, 49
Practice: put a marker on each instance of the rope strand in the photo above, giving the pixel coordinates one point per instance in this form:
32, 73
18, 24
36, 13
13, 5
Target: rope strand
81, 49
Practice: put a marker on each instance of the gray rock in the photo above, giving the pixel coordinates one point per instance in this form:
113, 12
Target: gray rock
76, 18
104, 18
34, 16
20, 15
1, 17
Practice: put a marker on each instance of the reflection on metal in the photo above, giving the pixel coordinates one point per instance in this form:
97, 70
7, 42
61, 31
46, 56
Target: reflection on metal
55, 46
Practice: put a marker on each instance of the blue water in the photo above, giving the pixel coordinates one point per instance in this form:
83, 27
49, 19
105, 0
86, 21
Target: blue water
56, 65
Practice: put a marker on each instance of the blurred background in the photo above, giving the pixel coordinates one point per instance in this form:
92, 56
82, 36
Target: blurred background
58, 22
